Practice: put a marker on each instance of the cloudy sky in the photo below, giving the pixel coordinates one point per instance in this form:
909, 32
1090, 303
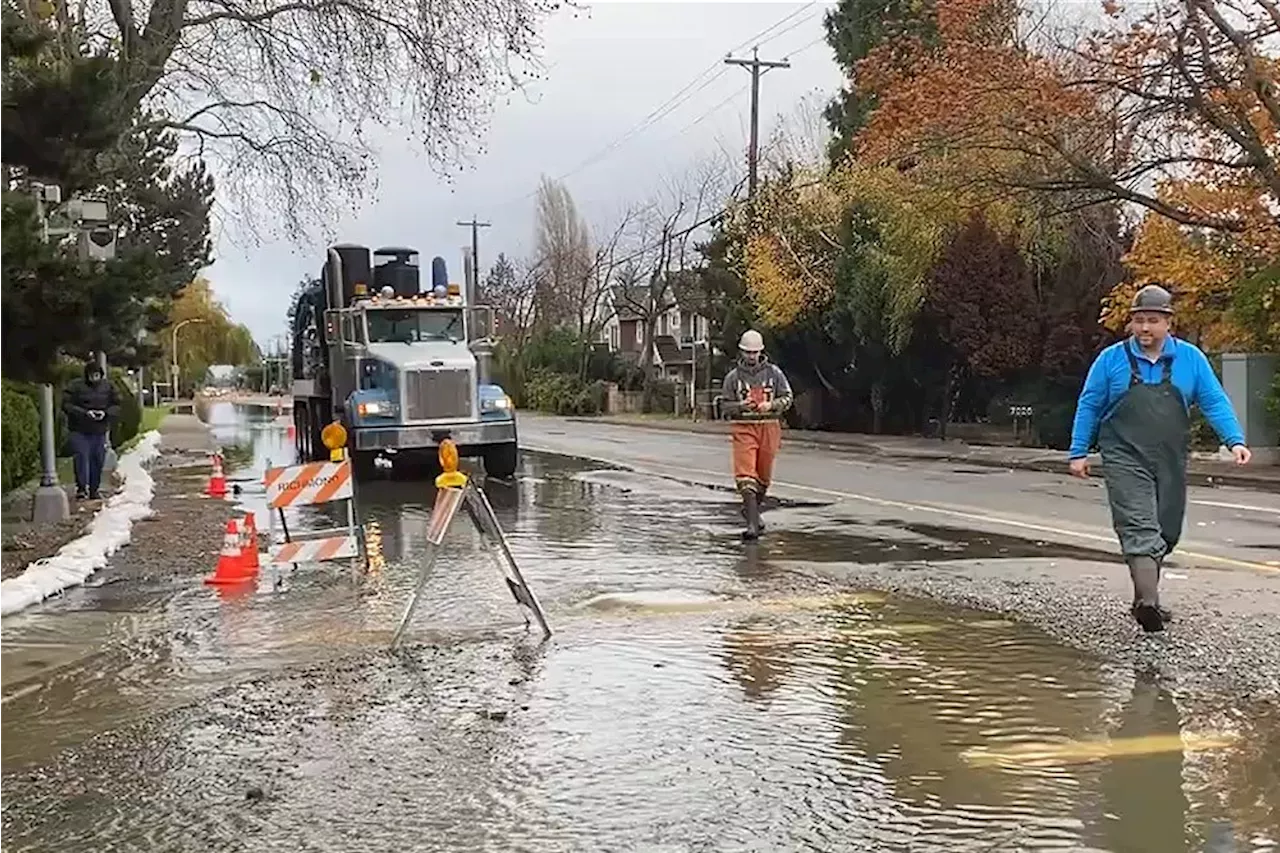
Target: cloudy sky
608, 69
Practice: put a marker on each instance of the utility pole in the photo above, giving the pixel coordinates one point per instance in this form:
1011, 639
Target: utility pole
481, 346
757, 66
475, 227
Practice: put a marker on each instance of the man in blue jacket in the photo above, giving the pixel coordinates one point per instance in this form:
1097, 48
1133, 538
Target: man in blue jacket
1136, 402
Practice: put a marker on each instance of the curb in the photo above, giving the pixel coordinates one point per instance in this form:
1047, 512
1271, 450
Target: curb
1269, 484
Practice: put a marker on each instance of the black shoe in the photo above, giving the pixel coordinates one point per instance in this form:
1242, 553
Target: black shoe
95, 495
82, 495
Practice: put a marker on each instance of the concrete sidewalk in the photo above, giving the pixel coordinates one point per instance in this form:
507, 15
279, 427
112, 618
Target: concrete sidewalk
184, 433
1201, 471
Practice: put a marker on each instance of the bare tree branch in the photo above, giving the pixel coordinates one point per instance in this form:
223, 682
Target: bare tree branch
308, 81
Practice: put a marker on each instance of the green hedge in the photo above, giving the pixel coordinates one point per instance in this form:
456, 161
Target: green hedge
20, 439
563, 394
130, 420
21, 422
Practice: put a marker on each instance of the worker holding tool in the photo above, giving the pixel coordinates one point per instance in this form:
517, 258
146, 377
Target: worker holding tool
1135, 403
754, 397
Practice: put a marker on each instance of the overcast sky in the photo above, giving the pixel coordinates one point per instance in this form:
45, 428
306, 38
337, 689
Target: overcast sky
608, 69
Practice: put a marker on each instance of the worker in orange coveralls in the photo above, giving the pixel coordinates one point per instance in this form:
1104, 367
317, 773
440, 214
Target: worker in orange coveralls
755, 394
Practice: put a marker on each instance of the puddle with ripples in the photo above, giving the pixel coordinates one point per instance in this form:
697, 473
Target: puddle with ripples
693, 698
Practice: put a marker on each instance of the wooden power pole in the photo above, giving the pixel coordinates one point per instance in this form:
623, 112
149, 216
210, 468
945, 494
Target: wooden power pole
475, 227
757, 67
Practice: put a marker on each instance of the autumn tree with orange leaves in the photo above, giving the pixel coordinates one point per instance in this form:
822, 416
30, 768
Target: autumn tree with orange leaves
1180, 91
1174, 108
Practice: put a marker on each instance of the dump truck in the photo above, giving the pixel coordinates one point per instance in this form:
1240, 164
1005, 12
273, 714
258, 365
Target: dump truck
401, 366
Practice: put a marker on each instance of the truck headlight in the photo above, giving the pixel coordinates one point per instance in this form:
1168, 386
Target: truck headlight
496, 404
376, 408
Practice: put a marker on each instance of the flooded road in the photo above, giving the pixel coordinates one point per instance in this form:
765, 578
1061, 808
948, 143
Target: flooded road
698, 695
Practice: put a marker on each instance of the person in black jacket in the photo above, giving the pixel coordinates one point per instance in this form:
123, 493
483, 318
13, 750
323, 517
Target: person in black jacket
92, 406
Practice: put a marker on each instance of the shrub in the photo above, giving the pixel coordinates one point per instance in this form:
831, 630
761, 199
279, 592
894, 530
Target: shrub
130, 420
563, 394
20, 439
660, 396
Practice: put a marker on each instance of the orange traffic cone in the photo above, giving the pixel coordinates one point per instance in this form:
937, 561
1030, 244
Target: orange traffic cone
217, 479
231, 567
250, 550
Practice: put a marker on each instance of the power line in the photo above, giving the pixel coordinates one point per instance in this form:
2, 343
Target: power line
739, 91
682, 96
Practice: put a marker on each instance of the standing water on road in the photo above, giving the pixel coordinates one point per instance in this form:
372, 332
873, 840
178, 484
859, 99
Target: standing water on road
696, 696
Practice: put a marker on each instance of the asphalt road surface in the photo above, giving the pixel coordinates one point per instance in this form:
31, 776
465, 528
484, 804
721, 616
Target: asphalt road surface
916, 658
1226, 528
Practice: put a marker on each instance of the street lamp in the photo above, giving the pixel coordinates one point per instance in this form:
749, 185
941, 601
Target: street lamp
173, 386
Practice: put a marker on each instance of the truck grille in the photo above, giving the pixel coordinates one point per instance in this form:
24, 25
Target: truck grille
436, 394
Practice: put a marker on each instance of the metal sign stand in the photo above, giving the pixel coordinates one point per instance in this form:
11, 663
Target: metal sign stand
457, 491
310, 485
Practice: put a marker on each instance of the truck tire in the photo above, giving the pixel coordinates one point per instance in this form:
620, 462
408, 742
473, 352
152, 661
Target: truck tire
501, 460
319, 420
301, 429
362, 464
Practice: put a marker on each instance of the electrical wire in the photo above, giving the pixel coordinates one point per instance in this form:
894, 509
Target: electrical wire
682, 96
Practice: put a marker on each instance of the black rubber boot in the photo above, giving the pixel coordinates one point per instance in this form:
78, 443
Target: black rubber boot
751, 511
760, 505
1145, 573
1165, 613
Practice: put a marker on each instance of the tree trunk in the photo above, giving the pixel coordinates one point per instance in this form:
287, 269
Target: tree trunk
948, 396
877, 407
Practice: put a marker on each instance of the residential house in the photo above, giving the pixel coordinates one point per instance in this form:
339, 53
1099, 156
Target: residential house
674, 335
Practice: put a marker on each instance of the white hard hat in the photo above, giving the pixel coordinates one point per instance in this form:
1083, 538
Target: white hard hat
751, 341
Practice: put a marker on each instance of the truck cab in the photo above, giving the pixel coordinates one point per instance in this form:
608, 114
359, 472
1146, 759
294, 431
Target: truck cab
407, 366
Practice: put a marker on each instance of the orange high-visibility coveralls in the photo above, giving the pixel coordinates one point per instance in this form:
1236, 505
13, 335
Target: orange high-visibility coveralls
754, 397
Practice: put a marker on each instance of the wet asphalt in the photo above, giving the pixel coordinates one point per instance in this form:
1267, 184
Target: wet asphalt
698, 694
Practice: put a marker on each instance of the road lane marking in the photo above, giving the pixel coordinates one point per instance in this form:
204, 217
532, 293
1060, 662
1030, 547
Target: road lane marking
1026, 525
1081, 751
615, 605
1244, 507
967, 515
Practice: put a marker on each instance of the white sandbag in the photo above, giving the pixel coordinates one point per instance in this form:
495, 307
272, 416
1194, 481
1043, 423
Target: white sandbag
109, 531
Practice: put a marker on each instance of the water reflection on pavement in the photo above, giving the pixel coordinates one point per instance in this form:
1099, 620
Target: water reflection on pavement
696, 696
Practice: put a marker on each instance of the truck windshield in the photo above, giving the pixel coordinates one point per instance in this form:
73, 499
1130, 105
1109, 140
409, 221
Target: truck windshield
414, 325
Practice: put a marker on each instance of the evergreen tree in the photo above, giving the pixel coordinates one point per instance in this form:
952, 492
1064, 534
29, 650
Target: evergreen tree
853, 28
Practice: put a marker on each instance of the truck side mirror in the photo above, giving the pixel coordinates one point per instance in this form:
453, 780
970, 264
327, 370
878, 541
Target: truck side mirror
482, 322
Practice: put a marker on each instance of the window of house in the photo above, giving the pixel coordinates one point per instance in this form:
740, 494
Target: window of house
662, 325
639, 334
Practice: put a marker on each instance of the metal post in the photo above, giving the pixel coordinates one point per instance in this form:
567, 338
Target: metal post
693, 379
173, 380
50, 504
110, 460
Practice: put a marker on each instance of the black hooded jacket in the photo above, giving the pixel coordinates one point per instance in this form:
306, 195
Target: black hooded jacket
83, 396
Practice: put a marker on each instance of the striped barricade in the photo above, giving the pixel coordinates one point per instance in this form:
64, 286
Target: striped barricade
308, 485
313, 483
314, 550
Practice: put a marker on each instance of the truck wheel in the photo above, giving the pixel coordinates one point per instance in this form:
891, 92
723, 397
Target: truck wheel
362, 464
501, 460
